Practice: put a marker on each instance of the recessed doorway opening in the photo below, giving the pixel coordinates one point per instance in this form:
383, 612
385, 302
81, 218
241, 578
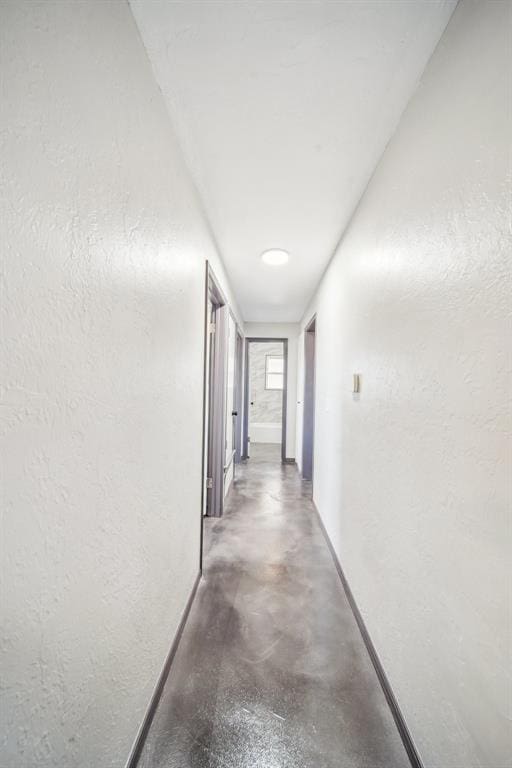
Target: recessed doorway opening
308, 425
222, 401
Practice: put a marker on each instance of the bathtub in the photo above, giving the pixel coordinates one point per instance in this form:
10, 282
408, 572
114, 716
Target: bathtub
265, 432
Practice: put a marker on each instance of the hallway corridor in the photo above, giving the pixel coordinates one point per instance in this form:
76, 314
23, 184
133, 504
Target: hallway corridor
245, 243
271, 671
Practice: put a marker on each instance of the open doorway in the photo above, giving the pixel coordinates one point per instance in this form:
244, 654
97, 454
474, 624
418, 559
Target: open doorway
214, 397
266, 362
222, 405
308, 427
239, 396
234, 386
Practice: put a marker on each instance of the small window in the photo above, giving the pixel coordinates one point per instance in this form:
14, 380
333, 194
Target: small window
274, 372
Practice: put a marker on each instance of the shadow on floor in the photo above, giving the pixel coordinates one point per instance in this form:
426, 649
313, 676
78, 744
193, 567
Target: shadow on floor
271, 671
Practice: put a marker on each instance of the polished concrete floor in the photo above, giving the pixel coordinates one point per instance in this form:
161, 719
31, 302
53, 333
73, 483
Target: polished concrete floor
271, 671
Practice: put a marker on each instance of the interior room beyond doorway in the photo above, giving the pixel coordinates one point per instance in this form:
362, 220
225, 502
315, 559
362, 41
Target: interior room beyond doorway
267, 384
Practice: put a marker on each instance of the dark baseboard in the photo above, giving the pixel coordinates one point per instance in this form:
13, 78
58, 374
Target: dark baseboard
153, 704
398, 717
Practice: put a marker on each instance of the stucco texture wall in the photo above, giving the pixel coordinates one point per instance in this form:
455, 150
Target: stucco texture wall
412, 477
102, 330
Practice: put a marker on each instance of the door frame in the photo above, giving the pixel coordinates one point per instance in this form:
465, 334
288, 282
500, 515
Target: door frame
237, 397
309, 397
239, 393
214, 430
259, 339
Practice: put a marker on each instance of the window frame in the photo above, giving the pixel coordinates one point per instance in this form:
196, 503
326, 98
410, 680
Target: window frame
272, 355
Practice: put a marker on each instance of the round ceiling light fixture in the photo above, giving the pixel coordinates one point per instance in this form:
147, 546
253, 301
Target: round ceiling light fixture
275, 257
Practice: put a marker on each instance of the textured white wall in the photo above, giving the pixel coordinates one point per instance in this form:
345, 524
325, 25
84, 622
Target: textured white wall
288, 331
102, 310
413, 477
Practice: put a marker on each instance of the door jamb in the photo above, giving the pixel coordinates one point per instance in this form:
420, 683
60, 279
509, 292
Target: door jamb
232, 460
213, 290
239, 388
310, 327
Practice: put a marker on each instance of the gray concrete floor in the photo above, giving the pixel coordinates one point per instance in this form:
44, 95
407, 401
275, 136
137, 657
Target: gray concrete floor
271, 671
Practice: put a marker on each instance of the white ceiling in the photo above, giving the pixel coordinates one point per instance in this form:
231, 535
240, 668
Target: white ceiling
283, 110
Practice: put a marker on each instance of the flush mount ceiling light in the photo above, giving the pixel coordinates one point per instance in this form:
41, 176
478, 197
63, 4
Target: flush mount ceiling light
275, 257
